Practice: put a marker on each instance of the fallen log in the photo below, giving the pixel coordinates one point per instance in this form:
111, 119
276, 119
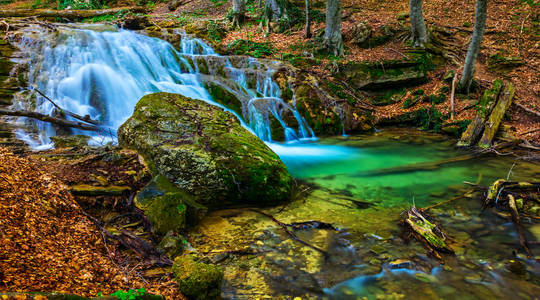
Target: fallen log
86, 118
426, 166
485, 106
70, 14
517, 223
49, 119
427, 233
492, 124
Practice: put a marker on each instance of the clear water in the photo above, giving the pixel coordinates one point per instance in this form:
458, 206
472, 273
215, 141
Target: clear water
345, 191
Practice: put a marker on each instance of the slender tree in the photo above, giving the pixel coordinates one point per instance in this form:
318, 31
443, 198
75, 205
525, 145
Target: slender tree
239, 12
307, 33
333, 41
474, 46
418, 27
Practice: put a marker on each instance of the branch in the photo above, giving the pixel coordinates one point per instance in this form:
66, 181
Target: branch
527, 109
76, 116
49, 119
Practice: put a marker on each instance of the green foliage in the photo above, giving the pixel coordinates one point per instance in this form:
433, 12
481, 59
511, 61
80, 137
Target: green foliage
129, 295
388, 97
2, 2
215, 31
81, 4
418, 92
107, 18
430, 119
247, 47
339, 90
435, 99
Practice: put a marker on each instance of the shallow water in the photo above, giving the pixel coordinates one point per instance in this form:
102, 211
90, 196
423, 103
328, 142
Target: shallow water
368, 258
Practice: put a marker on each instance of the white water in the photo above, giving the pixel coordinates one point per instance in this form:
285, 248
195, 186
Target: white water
102, 72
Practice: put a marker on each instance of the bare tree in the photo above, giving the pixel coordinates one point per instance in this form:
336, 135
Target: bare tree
418, 27
308, 24
239, 12
333, 41
474, 46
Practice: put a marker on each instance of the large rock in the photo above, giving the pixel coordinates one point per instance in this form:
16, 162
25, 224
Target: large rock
197, 280
205, 151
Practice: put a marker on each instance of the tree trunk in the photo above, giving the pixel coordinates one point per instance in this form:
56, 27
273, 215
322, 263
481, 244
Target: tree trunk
308, 25
333, 42
239, 11
69, 14
418, 27
48, 119
474, 46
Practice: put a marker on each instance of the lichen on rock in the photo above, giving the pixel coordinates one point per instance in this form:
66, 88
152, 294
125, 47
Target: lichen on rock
204, 151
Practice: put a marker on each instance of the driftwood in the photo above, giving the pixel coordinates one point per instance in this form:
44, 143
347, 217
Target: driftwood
70, 14
86, 118
476, 127
492, 124
291, 234
517, 222
133, 242
427, 233
49, 119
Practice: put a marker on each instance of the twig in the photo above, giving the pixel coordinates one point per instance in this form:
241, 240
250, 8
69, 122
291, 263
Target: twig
527, 109
452, 96
290, 233
76, 116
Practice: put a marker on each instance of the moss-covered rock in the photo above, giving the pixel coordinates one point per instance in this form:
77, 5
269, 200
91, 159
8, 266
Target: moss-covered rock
70, 141
197, 280
204, 151
167, 207
172, 244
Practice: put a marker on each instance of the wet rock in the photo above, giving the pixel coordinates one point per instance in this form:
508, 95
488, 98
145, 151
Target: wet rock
135, 22
172, 244
383, 75
167, 207
400, 263
377, 249
197, 280
70, 141
204, 151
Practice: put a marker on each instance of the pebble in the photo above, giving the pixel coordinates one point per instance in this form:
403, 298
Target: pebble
400, 263
377, 249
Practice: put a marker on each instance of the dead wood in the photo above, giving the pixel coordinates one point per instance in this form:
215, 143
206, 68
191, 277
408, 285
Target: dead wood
517, 223
49, 119
86, 118
290, 233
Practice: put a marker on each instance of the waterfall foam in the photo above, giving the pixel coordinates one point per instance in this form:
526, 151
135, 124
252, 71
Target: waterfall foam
103, 71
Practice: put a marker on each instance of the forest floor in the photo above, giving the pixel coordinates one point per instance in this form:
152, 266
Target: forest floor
37, 204
511, 32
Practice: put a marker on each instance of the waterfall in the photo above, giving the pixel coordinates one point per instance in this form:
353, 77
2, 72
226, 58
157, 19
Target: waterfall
102, 72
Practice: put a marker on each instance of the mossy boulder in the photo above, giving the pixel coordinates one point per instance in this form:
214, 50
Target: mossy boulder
70, 141
168, 208
172, 244
204, 151
197, 280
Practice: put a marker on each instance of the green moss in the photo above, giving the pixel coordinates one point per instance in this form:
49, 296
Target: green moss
70, 141
223, 96
251, 48
197, 280
434, 99
204, 151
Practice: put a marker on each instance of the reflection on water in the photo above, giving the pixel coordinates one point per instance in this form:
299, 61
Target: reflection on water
368, 259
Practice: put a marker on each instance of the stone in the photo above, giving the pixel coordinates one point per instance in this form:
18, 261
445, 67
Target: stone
205, 152
197, 280
172, 244
383, 75
377, 249
168, 208
70, 141
360, 33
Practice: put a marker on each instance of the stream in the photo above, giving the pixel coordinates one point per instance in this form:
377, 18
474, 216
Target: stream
102, 72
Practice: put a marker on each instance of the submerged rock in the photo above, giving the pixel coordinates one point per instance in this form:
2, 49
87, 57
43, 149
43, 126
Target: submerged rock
197, 280
167, 207
205, 151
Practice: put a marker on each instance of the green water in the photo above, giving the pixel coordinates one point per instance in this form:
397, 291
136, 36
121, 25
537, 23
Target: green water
368, 258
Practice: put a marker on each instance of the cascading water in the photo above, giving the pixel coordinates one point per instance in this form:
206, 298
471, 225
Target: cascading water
102, 72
